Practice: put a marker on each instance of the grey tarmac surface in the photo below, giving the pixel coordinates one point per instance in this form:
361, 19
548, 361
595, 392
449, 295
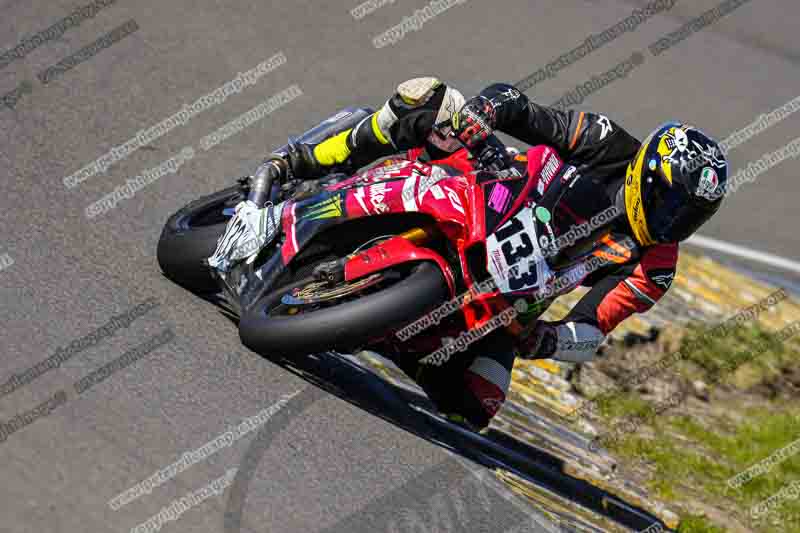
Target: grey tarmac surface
70, 275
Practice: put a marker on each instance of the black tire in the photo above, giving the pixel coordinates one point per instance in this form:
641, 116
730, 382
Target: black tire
190, 236
348, 325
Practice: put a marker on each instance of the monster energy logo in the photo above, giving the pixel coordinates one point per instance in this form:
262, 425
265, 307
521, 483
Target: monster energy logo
329, 208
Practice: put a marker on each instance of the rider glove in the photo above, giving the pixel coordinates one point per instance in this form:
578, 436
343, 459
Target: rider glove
474, 122
541, 342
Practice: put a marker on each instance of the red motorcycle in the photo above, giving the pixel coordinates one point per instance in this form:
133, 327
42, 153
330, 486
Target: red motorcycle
361, 256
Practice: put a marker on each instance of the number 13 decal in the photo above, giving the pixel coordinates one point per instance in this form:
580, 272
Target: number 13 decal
517, 247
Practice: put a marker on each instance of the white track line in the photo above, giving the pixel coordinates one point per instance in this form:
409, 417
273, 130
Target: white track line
747, 253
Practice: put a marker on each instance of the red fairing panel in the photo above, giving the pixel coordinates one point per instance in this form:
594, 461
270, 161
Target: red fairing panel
396, 186
288, 219
459, 160
543, 165
392, 252
410, 186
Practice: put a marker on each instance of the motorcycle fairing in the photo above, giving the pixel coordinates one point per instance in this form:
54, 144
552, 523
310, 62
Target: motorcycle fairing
392, 252
514, 220
394, 186
472, 209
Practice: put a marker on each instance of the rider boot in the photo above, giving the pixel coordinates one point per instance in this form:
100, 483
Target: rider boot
471, 387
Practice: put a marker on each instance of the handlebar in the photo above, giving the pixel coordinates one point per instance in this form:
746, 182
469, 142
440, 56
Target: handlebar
491, 155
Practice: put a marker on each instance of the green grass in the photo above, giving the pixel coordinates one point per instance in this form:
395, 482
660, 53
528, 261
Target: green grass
717, 354
705, 466
620, 405
698, 469
698, 524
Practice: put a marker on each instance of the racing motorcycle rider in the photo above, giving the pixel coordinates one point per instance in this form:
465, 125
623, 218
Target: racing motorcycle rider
667, 187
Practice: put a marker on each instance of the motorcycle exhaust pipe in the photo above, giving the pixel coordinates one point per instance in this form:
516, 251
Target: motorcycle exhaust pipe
272, 168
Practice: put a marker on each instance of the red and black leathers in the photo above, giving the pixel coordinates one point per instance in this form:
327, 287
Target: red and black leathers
601, 151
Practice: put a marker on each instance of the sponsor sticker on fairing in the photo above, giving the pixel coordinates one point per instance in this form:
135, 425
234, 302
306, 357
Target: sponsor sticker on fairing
377, 193
455, 201
426, 182
373, 196
548, 172
500, 198
513, 252
388, 169
569, 173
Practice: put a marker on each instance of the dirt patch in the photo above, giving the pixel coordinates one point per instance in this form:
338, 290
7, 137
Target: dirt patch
786, 384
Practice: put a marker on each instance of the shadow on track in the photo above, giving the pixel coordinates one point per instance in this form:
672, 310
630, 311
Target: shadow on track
340, 375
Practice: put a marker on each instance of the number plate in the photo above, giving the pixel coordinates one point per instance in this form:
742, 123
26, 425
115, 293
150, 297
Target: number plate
515, 243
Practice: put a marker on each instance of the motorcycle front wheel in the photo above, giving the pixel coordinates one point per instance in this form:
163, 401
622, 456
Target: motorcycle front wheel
305, 317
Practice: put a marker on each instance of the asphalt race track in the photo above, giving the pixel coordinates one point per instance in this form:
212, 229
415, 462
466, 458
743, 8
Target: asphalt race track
320, 463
